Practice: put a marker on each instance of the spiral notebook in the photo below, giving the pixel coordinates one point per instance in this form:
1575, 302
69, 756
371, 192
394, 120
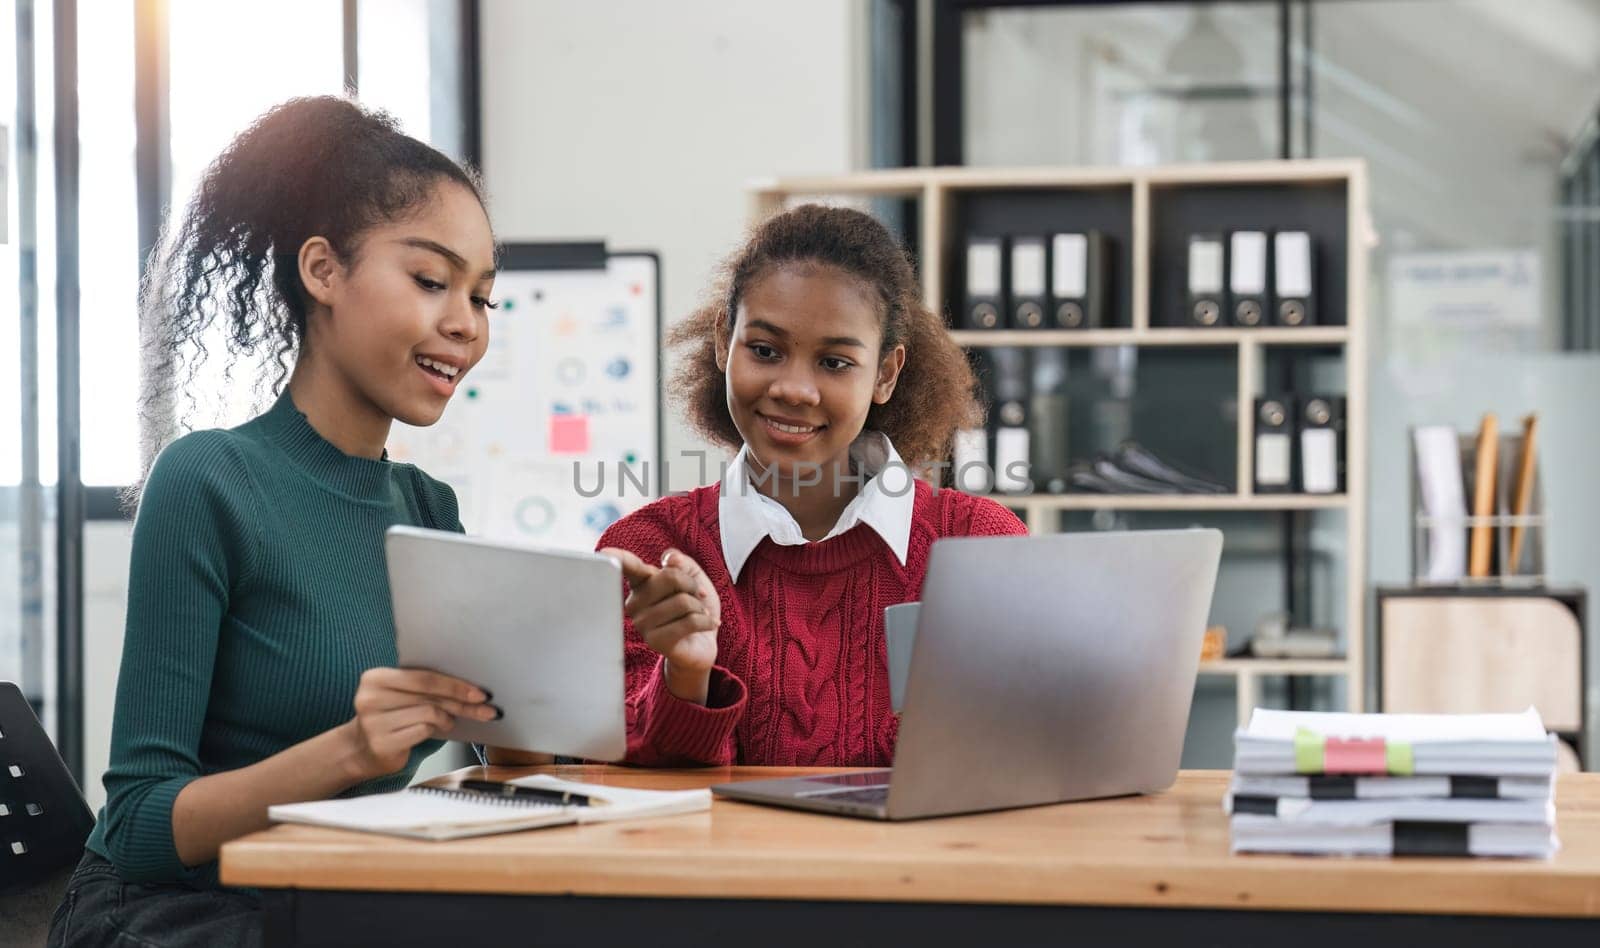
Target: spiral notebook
442, 813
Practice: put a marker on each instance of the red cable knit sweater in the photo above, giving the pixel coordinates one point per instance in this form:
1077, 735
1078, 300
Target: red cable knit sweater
801, 676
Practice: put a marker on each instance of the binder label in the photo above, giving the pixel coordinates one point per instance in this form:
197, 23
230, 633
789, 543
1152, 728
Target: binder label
970, 459
1011, 460
1272, 460
1319, 460
1293, 252
1249, 268
1070, 276
983, 269
1205, 267
1027, 268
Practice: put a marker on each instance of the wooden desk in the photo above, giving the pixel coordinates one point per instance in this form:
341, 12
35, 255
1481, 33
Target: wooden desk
1127, 870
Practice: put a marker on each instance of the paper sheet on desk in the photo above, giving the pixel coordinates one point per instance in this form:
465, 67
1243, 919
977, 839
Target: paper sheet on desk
1438, 449
1416, 728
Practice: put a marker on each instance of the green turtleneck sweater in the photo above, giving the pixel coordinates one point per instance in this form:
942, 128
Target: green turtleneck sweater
257, 597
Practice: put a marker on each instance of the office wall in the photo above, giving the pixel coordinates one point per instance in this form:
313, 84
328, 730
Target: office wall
641, 122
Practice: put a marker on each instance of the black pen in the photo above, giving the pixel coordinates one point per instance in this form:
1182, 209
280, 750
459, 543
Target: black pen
563, 797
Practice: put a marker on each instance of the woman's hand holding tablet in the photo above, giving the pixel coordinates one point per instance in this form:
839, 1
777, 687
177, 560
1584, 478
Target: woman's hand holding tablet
399, 708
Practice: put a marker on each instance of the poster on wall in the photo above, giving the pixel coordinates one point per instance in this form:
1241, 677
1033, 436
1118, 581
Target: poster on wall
556, 433
1485, 300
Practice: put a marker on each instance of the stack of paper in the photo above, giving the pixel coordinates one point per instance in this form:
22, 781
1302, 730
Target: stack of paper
1394, 784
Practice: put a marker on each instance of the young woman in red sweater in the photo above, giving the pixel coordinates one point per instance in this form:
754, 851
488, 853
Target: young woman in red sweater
755, 616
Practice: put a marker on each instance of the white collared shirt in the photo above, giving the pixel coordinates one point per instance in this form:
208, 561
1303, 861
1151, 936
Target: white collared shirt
747, 516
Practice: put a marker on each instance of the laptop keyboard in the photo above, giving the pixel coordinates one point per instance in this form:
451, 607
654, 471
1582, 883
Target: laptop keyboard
869, 778
878, 796
865, 787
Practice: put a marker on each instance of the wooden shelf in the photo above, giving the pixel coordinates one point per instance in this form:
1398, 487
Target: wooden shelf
893, 181
1178, 502
1310, 336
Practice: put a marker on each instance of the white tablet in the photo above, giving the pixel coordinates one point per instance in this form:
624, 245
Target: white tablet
540, 629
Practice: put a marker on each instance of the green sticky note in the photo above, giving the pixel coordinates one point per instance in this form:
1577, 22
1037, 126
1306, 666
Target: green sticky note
1399, 758
1307, 752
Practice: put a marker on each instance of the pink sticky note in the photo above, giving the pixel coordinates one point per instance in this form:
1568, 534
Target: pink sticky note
569, 434
1354, 756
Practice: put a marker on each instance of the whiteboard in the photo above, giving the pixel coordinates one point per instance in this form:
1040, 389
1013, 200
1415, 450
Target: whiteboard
556, 433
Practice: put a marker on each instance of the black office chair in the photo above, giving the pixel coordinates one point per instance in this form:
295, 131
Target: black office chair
43, 822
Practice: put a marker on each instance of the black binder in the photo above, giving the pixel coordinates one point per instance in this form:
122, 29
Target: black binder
1078, 280
1247, 277
1292, 282
1322, 444
1275, 445
1208, 264
985, 283
1047, 408
1009, 446
1029, 295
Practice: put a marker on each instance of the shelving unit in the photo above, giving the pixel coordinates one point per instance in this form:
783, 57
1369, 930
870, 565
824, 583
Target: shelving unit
1046, 504
1321, 336
1153, 196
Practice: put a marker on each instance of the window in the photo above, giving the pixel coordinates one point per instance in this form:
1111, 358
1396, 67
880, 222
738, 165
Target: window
227, 63
108, 255
217, 85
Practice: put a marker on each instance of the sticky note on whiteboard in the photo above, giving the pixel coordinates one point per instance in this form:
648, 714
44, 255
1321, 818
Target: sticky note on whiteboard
569, 434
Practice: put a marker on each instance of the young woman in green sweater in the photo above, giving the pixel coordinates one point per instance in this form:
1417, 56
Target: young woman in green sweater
257, 664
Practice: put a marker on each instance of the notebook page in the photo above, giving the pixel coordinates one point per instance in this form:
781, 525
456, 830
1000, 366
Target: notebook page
409, 811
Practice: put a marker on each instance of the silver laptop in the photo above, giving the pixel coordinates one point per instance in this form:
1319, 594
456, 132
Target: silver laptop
1044, 669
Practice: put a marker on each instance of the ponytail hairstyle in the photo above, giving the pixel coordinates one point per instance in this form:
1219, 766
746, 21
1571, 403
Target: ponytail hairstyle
229, 268
934, 395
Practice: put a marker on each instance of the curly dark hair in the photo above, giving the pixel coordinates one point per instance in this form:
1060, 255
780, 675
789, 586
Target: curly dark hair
934, 396
320, 166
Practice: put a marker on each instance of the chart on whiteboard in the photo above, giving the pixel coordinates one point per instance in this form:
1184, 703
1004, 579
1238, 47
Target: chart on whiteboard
555, 434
